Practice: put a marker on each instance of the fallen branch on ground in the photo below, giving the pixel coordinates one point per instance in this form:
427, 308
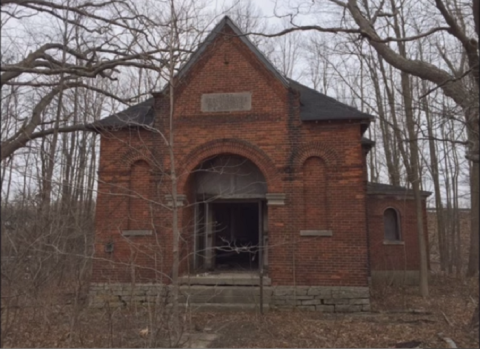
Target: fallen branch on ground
446, 319
449, 341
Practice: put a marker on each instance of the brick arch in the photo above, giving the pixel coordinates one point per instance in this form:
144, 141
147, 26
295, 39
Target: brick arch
398, 214
316, 149
132, 156
393, 207
234, 147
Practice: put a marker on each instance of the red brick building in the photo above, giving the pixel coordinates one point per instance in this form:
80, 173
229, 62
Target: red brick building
271, 176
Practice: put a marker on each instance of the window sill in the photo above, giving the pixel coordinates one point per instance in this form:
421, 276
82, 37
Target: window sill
316, 233
136, 232
393, 242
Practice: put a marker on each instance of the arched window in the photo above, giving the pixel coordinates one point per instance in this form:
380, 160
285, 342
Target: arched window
391, 225
139, 193
315, 194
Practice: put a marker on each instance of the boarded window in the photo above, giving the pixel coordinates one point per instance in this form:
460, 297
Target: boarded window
391, 225
139, 207
315, 194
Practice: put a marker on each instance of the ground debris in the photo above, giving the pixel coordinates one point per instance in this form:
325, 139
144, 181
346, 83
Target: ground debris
409, 344
48, 326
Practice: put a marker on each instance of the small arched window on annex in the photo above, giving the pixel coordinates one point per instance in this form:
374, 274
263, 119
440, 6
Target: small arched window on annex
139, 208
391, 225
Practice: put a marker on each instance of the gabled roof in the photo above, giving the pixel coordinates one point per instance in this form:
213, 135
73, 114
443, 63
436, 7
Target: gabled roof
387, 189
226, 21
314, 106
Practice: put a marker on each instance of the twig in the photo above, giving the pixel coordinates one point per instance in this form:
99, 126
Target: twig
446, 319
449, 341
417, 320
407, 311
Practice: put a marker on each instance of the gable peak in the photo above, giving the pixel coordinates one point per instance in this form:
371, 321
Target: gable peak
227, 21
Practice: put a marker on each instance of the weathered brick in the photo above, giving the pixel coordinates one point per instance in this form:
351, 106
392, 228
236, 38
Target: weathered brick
319, 166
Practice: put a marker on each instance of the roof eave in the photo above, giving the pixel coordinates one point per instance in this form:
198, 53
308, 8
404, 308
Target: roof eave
98, 128
408, 194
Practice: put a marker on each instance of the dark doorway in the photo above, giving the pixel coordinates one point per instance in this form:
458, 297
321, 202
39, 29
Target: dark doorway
228, 235
235, 236
229, 214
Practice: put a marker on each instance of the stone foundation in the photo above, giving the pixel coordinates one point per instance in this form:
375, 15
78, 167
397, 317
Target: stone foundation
321, 298
311, 298
395, 277
123, 294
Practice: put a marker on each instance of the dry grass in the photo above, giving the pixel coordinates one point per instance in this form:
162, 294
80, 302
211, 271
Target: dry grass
448, 309
388, 324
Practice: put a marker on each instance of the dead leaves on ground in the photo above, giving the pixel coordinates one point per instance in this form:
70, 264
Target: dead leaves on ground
399, 316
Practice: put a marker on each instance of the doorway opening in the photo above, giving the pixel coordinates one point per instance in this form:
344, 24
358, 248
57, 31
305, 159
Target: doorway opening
230, 214
229, 236
236, 236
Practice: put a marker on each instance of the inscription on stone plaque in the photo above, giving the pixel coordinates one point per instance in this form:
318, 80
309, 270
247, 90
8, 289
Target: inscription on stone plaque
218, 102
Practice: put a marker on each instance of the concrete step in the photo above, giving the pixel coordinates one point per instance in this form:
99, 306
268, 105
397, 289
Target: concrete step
227, 279
227, 307
224, 294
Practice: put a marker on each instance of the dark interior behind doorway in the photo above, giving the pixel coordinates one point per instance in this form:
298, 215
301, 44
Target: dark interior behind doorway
236, 235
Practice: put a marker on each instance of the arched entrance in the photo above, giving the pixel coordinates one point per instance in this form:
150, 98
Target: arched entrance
230, 215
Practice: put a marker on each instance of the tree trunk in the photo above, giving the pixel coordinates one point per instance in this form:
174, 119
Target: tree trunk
413, 168
436, 182
472, 269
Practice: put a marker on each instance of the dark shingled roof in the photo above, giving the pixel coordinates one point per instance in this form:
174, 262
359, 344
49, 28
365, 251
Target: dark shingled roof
386, 189
368, 142
140, 114
315, 106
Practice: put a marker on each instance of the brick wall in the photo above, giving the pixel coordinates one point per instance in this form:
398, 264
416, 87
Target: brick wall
390, 256
315, 194
272, 136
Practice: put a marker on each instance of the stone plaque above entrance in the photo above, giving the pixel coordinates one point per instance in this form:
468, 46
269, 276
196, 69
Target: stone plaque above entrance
221, 102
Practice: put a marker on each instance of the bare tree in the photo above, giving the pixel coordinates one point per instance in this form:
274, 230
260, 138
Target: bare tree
374, 24
113, 36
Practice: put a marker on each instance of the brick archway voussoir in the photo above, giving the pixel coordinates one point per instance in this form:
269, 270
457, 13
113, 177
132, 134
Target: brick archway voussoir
320, 150
234, 147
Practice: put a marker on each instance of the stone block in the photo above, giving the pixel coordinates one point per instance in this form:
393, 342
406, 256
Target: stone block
301, 291
347, 308
351, 292
277, 301
316, 233
291, 301
283, 291
325, 308
306, 307
302, 298
366, 307
322, 292
360, 301
336, 301
284, 308
222, 102
312, 302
